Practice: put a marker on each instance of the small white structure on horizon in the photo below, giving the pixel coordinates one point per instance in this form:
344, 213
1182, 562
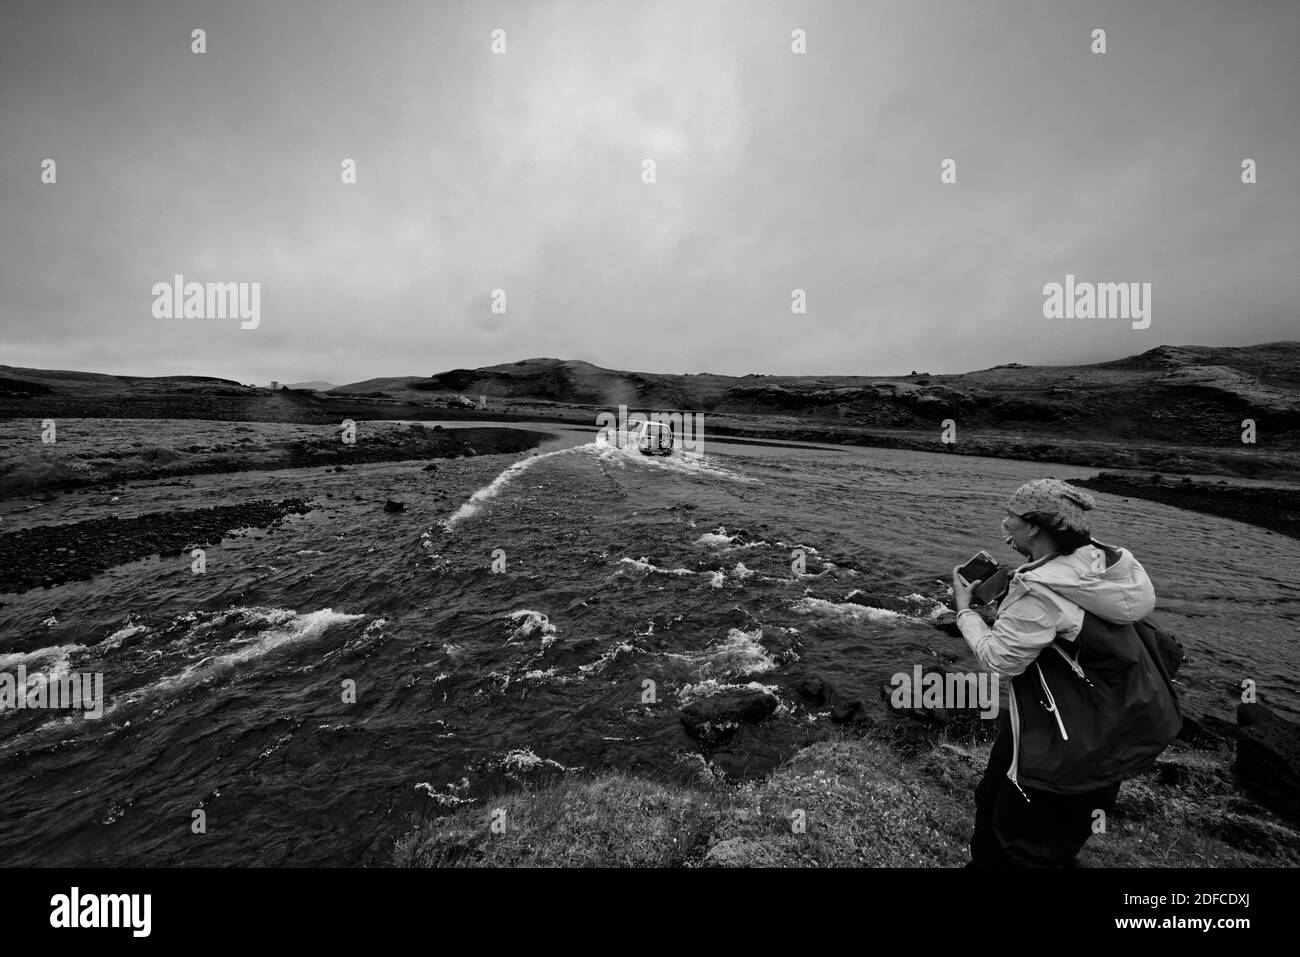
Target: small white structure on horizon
482, 402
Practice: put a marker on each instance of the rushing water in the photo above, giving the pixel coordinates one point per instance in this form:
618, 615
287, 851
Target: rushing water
225, 691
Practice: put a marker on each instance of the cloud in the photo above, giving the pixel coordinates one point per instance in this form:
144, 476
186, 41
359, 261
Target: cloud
523, 172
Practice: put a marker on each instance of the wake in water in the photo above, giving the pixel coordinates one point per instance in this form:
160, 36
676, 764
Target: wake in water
684, 463
741, 653
261, 631
493, 488
681, 462
191, 649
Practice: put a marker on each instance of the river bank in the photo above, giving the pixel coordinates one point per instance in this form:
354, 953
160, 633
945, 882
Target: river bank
848, 801
1109, 441
1274, 509
93, 452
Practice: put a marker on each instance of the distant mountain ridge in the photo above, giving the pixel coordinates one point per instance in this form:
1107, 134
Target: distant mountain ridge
1181, 394
1162, 383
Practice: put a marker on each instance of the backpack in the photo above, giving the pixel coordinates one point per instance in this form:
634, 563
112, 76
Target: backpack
1100, 712
1166, 651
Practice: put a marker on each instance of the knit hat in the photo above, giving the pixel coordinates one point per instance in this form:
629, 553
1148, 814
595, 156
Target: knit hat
1064, 504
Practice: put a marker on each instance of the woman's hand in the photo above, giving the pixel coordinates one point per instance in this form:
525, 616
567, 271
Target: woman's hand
961, 590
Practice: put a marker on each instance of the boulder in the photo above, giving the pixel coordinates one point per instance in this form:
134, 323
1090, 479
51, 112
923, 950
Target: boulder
777, 642
1252, 713
719, 716
1268, 759
816, 691
846, 711
394, 506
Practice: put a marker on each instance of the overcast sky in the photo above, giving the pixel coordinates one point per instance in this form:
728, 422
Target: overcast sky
523, 172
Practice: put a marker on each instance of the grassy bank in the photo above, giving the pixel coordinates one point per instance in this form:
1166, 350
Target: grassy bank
862, 804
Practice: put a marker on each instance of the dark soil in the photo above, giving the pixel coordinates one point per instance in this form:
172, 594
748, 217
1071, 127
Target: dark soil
50, 555
1276, 509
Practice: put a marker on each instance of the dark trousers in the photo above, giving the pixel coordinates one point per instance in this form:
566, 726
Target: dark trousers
1046, 831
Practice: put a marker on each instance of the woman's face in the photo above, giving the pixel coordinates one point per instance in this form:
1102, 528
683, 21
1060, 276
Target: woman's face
1017, 533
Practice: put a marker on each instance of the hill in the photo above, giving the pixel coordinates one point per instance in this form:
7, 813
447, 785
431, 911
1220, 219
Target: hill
1169, 393
1174, 409
315, 385
46, 393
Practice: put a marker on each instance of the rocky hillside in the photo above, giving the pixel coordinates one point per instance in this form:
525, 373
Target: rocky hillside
1192, 396
1170, 393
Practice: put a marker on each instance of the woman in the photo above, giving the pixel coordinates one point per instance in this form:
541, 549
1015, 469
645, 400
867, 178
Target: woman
1088, 706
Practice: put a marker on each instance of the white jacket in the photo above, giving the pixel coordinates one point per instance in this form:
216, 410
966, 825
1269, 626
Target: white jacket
1046, 600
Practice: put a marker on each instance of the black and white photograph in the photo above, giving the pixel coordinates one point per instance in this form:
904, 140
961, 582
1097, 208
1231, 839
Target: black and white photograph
682, 435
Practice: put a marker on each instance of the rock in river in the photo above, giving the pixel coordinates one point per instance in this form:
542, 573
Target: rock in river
712, 719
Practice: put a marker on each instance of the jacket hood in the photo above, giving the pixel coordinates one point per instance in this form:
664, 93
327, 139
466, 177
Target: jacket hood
1103, 579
